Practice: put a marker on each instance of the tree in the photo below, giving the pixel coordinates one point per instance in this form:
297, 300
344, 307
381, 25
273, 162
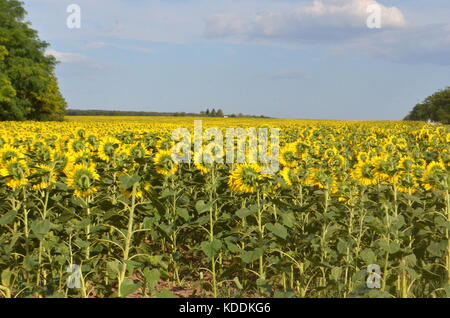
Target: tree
28, 85
435, 107
213, 113
207, 112
220, 113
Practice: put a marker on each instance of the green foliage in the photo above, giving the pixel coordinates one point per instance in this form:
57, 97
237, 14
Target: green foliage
435, 107
28, 86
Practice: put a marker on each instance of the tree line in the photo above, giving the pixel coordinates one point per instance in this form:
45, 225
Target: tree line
434, 108
95, 112
28, 85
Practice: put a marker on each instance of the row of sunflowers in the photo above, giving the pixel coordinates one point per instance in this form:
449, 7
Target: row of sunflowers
106, 195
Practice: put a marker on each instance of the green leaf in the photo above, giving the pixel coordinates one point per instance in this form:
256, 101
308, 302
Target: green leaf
127, 182
183, 213
6, 277
288, 219
41, 227
8, 217
29, 262
165, 293
211, 248
244, 212
152, 278
390, 247
277, 229
336, 273
202, 207
264, 286
251, 256
368, 256
435, 249
128, 287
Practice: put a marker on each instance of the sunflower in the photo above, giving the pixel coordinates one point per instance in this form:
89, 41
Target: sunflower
76, 145
44, 176
107, 148
288, 156
365, 172
7, 153
320, 178
434, 175
139, 191
406, 182
164, 164
289, 175
82, 177
16, 173
245, 178
406, 163
202, 168
164, 144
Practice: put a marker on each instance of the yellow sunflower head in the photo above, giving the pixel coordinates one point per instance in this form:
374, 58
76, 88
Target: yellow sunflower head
44, 177
107, 148
81, 178
16, 173
365, 172
7, 153
164, 164
288, 156
245, 178
434, 176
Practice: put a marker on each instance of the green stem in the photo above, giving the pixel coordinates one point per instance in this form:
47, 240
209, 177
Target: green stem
128, 239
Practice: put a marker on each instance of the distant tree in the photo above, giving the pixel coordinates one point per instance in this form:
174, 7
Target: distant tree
213, 113
435, 107
28, 85
220, 113
207, 112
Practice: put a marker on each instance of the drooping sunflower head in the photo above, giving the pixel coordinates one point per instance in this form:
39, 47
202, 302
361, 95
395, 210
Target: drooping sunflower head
7, 153
164, 164
434, 176
406, 163
289, 175
16, 173
164, 144
365, 172
82, 178
107, 148
406, 182
288, 156
44, 177
245, 178
137, 151
75, 145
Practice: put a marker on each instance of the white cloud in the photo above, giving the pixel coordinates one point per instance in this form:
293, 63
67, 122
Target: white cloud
415, 44
65, 57
321, 20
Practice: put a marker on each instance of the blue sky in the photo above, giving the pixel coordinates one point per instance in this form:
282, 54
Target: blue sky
313, 59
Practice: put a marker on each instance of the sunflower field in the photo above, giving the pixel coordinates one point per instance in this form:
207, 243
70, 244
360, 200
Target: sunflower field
102, 194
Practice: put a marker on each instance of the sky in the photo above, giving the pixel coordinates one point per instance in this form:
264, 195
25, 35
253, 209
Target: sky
312, 59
